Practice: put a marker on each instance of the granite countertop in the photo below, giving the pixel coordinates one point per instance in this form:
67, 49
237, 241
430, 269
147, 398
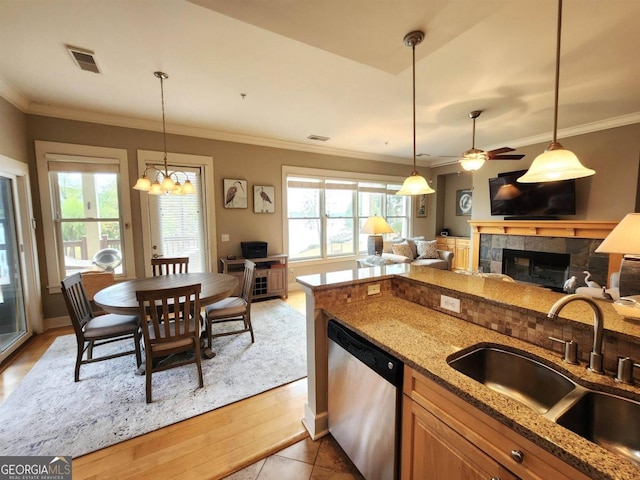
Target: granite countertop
424, 338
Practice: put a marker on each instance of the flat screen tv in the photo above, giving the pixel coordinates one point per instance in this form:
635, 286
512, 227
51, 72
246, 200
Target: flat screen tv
547, 199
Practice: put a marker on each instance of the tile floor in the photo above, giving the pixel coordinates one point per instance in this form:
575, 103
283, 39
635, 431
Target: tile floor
305, 460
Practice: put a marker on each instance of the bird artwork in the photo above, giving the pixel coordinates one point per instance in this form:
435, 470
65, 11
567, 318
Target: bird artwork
590, 283
232, 194
570, 284
263, 199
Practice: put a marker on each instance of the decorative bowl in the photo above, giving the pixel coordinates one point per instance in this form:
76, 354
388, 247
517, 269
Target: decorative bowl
628, 306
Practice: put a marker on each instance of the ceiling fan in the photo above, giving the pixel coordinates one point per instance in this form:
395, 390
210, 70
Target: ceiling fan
474, 158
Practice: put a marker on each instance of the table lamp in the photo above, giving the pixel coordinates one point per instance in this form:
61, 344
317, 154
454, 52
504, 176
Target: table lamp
625, 239
375, 226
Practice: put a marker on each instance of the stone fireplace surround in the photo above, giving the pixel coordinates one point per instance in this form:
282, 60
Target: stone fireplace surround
577, 238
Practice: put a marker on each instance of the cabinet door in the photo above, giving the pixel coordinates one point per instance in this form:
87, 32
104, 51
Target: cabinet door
433, 451
276, 281
461, 255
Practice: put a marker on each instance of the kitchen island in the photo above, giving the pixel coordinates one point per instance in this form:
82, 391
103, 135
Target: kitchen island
407, 320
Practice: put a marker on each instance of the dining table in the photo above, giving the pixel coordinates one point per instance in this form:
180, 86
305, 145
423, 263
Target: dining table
121, 298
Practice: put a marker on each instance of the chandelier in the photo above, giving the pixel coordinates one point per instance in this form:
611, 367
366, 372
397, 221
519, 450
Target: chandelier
164, 181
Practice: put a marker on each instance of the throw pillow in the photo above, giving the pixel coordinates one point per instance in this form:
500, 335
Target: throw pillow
412, 243
403, 249
427, 249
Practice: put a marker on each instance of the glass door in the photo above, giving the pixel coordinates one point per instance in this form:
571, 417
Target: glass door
13, 324
176, 223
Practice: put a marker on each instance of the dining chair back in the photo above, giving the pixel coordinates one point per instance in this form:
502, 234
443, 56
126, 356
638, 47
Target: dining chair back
233, 309
171, 324
93, 330
169, 265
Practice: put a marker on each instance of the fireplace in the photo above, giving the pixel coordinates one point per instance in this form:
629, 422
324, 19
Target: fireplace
542, 268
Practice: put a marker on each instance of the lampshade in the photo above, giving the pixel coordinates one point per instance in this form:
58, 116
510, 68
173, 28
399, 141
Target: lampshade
624, 238
376, 225
415, 184
555, 163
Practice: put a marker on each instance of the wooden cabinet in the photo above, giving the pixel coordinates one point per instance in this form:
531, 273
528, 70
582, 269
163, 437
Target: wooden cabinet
460, 246
444, 437
439, 453
271, 275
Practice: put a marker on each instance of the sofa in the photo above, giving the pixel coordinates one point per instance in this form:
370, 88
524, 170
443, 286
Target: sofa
416, 251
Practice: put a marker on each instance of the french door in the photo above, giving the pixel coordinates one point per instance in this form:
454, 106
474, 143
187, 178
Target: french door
180, 225
17, 262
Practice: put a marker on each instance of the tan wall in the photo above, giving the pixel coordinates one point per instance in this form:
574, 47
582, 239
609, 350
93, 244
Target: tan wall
13, 132
610, 194
256, 164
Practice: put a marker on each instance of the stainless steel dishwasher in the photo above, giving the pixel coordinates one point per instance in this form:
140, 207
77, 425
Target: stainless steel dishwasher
364, 402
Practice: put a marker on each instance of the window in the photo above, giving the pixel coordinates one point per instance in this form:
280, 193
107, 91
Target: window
85, 204
325, 213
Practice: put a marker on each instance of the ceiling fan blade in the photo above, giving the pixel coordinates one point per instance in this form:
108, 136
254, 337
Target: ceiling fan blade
506, 157
498, 151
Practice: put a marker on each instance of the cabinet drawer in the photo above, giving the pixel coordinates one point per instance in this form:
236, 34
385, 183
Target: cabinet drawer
495, 439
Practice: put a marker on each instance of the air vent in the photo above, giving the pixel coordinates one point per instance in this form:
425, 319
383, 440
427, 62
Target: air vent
318, 138
84, 59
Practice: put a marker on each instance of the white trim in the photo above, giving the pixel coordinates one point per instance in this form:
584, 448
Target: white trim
337, 174
13, 96
57, 322
205, 163
68, 150
29, 256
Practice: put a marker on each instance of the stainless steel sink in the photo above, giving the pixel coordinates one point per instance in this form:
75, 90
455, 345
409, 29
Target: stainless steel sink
611, 422
518, 377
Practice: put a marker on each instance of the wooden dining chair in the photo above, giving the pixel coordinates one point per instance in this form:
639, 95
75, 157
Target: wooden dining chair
233, 309
95, 330
169, 265
169, 327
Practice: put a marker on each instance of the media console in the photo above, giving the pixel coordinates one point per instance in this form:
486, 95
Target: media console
271, 275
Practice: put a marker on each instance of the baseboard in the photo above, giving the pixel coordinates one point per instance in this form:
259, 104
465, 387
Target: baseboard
56, 322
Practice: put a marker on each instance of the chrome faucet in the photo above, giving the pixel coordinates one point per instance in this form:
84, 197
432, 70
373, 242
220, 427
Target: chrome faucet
595, 357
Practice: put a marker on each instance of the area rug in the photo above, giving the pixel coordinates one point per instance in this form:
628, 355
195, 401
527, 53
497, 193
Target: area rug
49, 414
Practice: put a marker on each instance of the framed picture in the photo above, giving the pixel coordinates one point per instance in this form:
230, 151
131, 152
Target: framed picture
264, 198
422, 206
464, 202
235, 193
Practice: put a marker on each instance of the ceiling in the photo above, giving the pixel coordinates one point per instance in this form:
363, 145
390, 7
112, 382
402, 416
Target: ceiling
274, 72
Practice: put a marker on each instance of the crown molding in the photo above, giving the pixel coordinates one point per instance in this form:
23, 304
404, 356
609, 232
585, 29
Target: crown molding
129, 122
13, 96
606, 124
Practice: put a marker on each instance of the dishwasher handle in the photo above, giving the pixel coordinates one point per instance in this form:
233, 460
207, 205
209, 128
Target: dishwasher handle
381, 362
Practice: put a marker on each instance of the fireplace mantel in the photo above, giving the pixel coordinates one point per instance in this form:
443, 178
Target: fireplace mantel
543, 228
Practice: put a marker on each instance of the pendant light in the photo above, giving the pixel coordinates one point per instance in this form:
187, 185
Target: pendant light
168, 184
556, 162
415, 184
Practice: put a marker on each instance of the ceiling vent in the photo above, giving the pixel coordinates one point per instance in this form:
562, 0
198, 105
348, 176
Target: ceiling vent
318, 138
84, 59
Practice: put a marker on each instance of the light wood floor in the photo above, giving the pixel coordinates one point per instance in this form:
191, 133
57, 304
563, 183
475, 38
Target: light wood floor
208, 446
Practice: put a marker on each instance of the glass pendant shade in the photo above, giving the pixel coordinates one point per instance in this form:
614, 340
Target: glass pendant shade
555, 163
188, 187
156, 188
143, 184
415, 185
168, 184
473, 159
